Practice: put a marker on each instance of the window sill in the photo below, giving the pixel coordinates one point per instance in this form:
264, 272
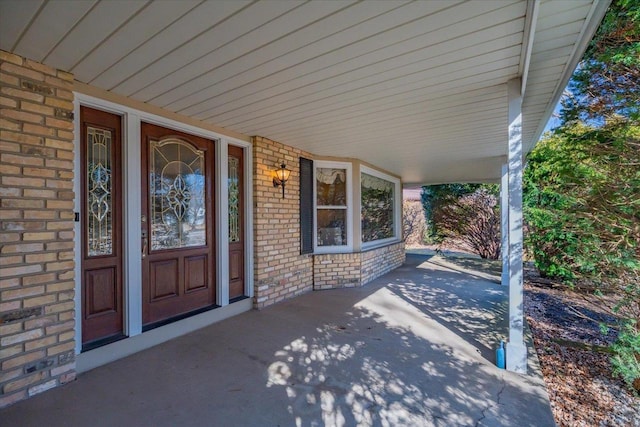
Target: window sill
376, 244
328, 250
370, 247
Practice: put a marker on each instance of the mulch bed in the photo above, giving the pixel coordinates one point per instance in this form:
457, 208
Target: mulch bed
574, 357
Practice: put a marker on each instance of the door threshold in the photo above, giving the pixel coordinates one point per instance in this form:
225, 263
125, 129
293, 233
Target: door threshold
236, 299
102, 341
163, 322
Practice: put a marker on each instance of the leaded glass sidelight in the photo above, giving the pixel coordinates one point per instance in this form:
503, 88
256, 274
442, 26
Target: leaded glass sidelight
100, 192
177, 195
234, 199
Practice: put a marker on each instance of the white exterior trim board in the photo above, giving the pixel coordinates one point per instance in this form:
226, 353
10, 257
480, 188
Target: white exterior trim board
533, 7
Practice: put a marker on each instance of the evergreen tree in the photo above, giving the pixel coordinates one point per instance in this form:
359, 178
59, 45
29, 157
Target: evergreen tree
582, 182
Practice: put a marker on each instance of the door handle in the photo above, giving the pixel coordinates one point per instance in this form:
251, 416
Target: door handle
144, 247
145, 242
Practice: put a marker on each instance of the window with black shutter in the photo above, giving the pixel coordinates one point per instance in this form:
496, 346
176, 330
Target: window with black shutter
306, 206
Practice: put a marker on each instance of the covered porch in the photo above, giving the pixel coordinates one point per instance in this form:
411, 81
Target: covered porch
104, 254
414, 347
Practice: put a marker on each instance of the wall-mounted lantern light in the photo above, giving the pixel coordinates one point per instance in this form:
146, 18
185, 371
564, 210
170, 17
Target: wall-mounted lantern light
281, 176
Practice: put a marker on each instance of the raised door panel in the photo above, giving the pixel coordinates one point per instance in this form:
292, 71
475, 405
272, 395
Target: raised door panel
164, 279
100, 292
195, 273
236, 264
236, 274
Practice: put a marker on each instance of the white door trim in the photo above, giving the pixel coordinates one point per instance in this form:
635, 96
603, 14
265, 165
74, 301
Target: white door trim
132, 268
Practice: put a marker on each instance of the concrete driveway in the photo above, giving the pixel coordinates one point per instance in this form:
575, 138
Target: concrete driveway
413, 348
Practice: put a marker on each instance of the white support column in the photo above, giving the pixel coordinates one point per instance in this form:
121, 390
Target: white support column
516, 348
504, 224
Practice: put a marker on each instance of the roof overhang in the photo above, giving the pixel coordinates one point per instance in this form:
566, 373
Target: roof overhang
418, 88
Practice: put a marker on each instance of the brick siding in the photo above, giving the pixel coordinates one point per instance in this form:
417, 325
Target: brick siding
332, 271
379, 261
280, 271
36, 232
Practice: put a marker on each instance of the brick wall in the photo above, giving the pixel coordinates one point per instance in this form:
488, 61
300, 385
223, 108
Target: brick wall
332, 271
280, 271
377, 262
36, 231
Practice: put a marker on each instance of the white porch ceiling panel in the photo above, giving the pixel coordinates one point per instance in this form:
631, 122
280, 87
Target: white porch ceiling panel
415, 87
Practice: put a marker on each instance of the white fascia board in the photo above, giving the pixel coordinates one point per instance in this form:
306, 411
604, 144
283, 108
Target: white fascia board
533, 7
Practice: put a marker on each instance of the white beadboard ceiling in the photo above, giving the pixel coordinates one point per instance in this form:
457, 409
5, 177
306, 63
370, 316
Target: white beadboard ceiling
415, 87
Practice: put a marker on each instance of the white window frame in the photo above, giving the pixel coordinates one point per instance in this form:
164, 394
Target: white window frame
324, 164
397, 208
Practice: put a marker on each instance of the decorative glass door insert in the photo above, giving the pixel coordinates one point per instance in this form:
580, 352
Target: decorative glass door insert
235, 185
100, 190
234, 199
177, 195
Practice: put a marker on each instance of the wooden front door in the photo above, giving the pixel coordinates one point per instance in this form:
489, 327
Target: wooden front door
177, 225
236, 222
101, 228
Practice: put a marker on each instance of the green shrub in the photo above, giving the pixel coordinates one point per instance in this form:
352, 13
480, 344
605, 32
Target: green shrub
626, 359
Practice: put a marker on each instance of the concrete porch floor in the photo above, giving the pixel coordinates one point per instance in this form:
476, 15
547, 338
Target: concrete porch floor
415, 347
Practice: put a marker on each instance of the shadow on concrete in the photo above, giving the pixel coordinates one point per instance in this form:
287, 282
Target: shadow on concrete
474, 309
410, 349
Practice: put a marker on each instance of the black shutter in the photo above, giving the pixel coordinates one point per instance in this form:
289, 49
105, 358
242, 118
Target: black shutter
306, 206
